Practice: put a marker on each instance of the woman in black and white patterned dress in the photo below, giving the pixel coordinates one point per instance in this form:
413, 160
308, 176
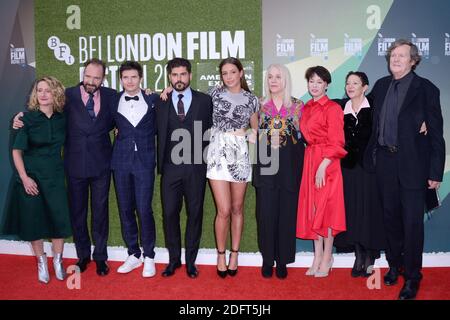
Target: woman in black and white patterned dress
235, 108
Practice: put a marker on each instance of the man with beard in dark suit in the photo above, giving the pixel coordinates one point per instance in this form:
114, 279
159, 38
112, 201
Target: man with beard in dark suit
182, 121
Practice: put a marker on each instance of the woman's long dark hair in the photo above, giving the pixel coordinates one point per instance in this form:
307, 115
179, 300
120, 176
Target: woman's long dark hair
238, 64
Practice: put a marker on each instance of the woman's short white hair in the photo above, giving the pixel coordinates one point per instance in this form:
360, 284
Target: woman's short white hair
285, 80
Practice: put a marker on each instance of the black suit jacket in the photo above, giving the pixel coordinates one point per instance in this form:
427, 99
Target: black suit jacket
143, 135
201, 108
421, 157
357, 134
87, 151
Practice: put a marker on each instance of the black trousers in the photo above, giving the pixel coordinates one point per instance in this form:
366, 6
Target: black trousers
79, 189
403, 214
276, 212
180, 182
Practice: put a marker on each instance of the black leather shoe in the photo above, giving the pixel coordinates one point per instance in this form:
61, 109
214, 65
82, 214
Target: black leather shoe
102, 267
192, 271
82, 263
170, 269
409, 290
281, 271
267, 271
391, 277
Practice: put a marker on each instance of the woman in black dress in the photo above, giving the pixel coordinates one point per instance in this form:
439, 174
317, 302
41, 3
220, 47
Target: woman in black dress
365, 233
277, 181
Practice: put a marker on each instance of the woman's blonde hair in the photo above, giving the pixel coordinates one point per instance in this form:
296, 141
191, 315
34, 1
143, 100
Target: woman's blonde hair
59, 97
285, 81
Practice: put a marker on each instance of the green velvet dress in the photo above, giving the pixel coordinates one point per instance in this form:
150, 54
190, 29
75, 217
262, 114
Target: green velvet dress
47, 214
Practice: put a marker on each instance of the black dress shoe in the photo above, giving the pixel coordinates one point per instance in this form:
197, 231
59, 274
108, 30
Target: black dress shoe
170, 269
409, 290
102, 267
82, 263
192, 271
267, 271
391, 277
281, 271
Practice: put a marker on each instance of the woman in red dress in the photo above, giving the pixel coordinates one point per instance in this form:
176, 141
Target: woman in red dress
321, 211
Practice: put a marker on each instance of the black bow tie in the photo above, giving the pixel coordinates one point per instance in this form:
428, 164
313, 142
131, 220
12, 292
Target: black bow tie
132, 98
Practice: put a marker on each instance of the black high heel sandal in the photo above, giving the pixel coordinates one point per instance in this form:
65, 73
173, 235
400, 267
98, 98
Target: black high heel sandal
221, 273
369, 266
232, 272
358, 267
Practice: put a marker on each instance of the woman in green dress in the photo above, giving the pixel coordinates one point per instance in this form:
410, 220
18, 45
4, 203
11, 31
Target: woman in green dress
38, 207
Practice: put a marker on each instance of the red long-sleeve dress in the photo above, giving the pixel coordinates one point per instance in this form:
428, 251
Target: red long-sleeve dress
322, 126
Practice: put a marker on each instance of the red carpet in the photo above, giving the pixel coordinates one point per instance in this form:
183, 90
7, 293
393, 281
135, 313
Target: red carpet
18, 279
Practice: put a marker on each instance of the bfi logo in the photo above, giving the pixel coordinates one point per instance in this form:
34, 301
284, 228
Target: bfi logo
384, 44
60, 50
319, 47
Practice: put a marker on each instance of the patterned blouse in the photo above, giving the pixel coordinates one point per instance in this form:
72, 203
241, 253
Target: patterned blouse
232, 111
286, 121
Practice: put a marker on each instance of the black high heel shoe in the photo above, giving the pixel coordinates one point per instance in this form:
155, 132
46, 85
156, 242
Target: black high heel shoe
232, 272
221, 273
358, 269
369, 266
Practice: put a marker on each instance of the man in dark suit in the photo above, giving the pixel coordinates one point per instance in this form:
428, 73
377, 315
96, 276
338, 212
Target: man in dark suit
407, 150
133, 164
182, 121
87, 156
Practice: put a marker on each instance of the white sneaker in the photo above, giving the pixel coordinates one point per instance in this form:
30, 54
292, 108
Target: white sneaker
149, 268
130, 264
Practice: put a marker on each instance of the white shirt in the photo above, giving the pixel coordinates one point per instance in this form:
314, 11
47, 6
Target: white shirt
349, 109
133, 110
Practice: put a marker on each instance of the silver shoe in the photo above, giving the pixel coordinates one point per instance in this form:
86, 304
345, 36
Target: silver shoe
58, 266
323, 274
43, 275
310, 272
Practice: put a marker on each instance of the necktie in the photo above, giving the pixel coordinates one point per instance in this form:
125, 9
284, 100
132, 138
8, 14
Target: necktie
180, 108
391, 122
90, 106
132, 98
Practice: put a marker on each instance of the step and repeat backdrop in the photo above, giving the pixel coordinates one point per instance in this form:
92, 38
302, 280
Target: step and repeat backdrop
354, 35
57, 36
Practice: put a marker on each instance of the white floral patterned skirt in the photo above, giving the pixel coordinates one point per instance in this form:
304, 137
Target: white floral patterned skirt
228, 157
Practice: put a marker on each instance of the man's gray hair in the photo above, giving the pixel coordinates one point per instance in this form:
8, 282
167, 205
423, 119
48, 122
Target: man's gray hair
414, 51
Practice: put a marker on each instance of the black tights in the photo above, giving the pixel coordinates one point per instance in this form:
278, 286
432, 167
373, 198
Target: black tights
365, 258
